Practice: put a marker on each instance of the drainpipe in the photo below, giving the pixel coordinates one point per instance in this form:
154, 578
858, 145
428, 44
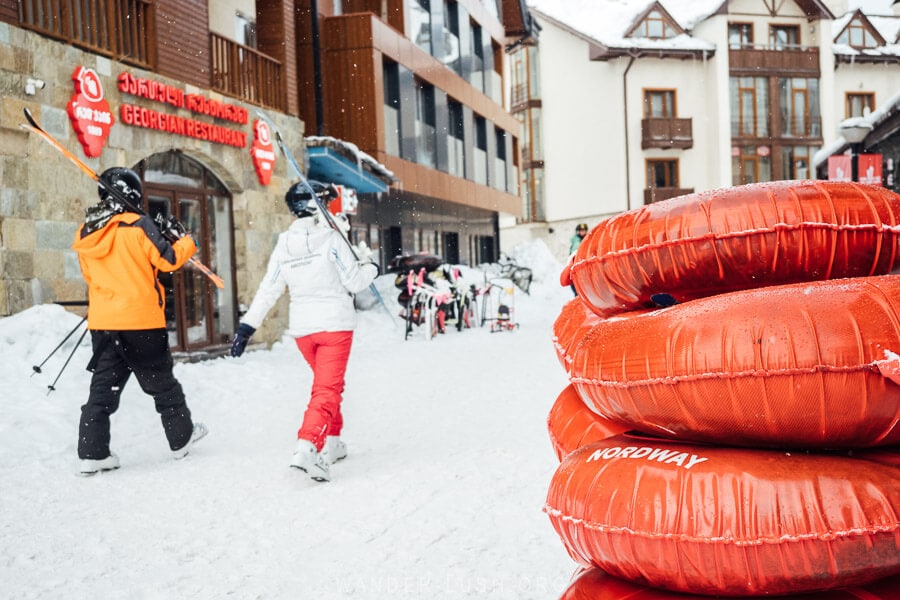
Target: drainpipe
317, 67
627, 158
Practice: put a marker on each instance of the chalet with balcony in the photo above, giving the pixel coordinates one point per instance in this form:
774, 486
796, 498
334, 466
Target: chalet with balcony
658, 99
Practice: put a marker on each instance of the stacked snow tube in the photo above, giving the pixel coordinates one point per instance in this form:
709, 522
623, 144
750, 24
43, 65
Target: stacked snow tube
594, 584
732, 418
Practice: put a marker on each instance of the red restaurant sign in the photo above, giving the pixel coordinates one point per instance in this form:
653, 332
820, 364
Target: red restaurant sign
89, 112
138, 116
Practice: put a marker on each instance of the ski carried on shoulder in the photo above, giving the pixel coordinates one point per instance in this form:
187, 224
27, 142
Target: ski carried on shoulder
34, 127
321, 205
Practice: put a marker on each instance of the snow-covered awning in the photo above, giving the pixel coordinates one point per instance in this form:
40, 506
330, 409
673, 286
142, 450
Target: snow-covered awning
336, 161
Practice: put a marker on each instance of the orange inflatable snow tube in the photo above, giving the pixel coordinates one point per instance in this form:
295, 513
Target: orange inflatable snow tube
736, 238
574, 320
810, 365
594, 584
730, 521
571, 424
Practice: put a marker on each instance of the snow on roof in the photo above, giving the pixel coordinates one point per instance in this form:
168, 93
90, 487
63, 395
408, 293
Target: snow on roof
351, 152
607, 21
887, 27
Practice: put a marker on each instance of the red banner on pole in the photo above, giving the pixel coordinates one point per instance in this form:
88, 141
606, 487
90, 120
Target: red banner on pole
870, 169
840, 168
262, 152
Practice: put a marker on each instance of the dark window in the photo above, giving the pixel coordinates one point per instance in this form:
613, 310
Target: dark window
740, 35
784, 37
662, 173
456, 140
392, 132
749, 106
655, 26
857, 35
799, 98
860, 104
659, 103
425, 125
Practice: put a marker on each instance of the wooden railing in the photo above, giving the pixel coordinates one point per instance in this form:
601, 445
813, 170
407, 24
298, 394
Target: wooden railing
795, 61
123, 30
246, 73
663, 132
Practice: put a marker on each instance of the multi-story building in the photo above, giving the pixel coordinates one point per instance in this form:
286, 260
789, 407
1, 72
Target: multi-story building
419, 86
662, 98
400, 100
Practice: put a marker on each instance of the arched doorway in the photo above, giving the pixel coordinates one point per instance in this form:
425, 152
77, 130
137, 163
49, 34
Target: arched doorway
198, 314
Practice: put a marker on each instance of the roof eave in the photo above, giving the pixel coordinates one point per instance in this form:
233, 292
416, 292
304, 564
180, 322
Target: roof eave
601, 52
815, 9
849, 59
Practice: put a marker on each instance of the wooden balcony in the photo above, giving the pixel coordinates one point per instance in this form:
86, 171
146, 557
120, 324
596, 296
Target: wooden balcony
662, 132
246, 73
652, 195
124, 30
797, 61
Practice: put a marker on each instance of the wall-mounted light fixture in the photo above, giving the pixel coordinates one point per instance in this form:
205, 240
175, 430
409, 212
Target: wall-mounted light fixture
32, 85
855, 130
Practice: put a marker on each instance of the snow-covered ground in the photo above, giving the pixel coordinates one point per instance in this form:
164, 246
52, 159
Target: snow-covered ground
440, 497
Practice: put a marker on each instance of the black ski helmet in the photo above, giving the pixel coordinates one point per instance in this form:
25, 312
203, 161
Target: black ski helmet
126, 181
301, 203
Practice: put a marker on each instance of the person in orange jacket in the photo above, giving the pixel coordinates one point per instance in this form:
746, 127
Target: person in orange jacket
120, 253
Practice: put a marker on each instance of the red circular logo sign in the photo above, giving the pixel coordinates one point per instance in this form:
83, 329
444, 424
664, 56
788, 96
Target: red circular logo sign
89, 112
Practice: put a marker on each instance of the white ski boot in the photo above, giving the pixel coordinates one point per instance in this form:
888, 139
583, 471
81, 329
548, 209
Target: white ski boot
309, 460
89, 466
197, 434
334, 449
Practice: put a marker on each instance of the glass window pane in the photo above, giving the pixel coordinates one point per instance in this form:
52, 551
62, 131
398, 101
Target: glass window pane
420, 24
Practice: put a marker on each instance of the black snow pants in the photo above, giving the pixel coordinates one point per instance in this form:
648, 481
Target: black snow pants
118, 354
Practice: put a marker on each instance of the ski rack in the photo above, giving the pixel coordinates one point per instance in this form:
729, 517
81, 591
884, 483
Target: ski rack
34, 127
321, 205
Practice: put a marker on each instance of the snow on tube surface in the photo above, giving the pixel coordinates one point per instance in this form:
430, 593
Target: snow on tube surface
594, 584
574, 320
571, 424
731, 521
807, 365
736, 238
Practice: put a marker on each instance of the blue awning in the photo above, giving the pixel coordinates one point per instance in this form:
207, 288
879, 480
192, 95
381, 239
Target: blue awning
328, 166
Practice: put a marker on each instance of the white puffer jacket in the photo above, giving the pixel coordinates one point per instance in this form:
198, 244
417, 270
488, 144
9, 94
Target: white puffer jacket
321, 274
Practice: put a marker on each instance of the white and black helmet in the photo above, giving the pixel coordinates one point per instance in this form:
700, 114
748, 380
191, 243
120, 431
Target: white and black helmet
124, 180
301, 203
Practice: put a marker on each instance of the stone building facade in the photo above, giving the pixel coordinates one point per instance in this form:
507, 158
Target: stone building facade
44, 195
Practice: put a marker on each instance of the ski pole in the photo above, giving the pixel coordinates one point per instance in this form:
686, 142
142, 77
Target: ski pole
52, 386
328, 217
37, 368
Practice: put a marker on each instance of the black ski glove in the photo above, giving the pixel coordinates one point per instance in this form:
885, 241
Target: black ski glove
170, 226
241, 337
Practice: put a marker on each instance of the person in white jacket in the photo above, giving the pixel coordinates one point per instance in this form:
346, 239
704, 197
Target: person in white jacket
321, 273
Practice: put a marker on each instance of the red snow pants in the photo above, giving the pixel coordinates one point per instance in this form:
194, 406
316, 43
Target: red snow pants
327, 353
